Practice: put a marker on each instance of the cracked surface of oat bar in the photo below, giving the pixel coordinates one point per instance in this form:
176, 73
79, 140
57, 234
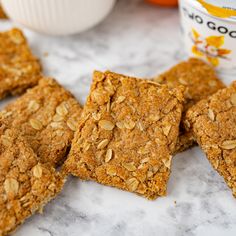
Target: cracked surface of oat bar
26, 185
200, 81
19, 68
127, 133
46, 116
213, 123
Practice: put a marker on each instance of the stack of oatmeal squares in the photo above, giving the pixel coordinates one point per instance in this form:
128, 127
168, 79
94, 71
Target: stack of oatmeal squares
125, 136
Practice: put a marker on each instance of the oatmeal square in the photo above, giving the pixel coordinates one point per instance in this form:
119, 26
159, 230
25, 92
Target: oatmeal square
26, 185
212, 122
46, 116
19, 68
200, 81
2, 13
127, 133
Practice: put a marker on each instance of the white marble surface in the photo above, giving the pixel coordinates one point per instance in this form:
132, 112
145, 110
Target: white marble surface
139, 40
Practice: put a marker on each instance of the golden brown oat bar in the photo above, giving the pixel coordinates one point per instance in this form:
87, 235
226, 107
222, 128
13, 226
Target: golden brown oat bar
200, 81
127, 133
19, 69
198, 77
2, 13
46, 116
213, 123
25, 184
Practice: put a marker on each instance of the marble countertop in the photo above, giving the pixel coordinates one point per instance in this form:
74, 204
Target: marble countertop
140, 40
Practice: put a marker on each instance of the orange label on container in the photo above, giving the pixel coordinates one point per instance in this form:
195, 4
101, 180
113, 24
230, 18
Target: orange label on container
219, 9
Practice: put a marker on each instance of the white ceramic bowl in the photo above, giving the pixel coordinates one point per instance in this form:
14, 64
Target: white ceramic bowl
58, 17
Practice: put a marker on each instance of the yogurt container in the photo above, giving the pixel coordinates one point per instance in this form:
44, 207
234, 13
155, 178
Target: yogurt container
209, 30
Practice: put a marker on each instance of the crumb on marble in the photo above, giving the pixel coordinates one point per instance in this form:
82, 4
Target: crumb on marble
45, 54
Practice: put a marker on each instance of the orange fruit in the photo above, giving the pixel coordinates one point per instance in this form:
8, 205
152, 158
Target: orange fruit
170, 3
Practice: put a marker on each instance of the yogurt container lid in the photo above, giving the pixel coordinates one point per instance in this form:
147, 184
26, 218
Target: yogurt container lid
218, 8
